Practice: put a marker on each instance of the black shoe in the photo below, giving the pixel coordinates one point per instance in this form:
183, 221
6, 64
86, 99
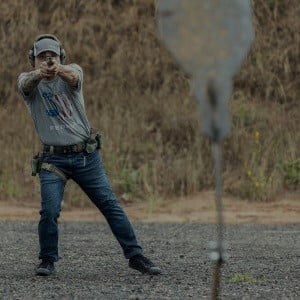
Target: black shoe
144, 265
45, 268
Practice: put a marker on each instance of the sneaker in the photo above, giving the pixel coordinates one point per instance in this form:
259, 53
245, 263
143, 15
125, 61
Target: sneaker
45, 268
144, 265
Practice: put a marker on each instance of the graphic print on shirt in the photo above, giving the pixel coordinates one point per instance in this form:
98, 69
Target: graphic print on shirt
57, 105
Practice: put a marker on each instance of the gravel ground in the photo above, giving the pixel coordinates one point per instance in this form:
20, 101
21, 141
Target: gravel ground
263, 263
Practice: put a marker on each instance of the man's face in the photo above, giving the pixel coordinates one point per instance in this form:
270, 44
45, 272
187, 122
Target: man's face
43, 56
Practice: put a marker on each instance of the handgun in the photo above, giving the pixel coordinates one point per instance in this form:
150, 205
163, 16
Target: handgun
49, 61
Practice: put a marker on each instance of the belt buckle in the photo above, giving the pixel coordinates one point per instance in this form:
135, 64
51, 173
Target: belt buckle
75, 148
80, 147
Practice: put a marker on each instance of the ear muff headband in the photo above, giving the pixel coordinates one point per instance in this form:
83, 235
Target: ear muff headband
46, 36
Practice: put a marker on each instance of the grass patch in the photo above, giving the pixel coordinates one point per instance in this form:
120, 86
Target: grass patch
291, 171
244, 278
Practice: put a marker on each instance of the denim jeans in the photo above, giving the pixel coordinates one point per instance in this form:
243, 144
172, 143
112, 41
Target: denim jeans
88, 172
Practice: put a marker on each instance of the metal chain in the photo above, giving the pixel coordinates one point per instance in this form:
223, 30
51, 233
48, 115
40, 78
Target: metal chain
217, 254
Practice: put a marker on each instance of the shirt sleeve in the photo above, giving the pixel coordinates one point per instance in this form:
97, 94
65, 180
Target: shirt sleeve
79, 71
20, 81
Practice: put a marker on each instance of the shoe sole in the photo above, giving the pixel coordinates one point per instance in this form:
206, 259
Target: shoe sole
44, 272
152, 271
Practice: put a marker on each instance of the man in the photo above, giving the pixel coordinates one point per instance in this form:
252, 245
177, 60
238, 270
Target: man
53, 95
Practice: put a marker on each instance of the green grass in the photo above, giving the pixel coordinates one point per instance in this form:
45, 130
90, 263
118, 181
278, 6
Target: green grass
244, 278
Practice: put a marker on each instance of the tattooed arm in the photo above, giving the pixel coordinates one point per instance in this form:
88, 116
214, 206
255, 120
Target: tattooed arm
29, 81
69, 75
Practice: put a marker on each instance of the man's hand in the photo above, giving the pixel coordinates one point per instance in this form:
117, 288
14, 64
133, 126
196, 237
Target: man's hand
49, 71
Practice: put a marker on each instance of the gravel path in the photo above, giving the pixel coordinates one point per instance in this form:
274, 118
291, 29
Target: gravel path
263, 263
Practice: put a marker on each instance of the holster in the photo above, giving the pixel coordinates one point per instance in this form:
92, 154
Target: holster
36, 163
94, 142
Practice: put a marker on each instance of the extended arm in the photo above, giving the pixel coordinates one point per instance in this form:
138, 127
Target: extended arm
69, 75
30, 81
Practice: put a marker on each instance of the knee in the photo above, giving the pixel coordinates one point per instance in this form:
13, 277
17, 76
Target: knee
109, 201
50, 213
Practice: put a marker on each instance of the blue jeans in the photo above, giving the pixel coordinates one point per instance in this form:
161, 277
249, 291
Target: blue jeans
88, 172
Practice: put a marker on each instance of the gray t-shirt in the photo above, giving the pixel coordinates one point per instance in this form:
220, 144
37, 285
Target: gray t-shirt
58, 110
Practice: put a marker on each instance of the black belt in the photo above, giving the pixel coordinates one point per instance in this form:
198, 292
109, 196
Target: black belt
76, 148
